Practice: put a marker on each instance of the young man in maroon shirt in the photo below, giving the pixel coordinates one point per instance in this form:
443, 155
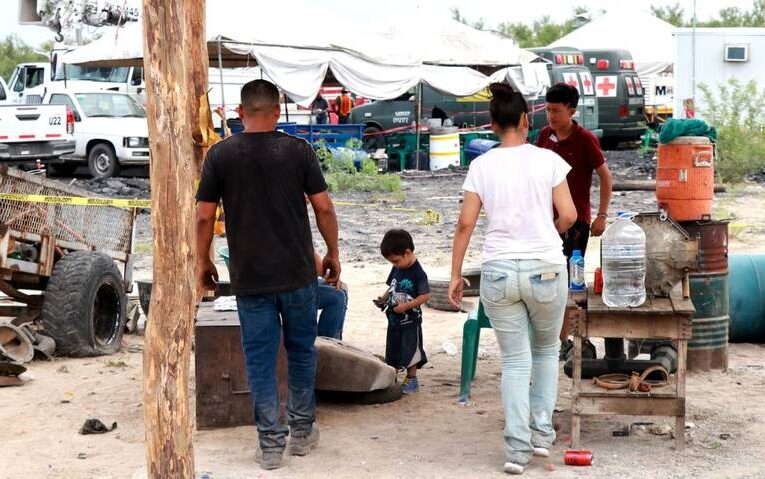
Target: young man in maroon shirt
581, 149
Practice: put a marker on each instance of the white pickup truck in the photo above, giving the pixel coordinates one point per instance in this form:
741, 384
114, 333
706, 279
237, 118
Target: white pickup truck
35, 132
4, 94
112, 130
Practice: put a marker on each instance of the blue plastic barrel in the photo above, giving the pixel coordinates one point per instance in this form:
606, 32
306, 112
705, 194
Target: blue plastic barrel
747, 298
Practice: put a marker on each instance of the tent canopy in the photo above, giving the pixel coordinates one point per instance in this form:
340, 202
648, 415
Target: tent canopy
648, 38
298, 55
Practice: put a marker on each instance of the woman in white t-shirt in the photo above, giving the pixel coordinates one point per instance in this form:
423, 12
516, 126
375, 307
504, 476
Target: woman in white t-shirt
524, 286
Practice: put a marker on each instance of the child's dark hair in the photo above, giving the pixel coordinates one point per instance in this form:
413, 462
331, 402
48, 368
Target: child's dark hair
563, 93
396, 241
506, 106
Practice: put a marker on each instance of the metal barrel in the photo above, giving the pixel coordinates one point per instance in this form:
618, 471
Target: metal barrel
747, 298
708, 347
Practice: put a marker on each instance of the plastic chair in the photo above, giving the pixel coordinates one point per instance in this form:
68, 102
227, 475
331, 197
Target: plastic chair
471, 334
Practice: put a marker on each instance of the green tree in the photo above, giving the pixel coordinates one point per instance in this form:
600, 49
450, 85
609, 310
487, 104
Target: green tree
673, 14
14, 51
726, 17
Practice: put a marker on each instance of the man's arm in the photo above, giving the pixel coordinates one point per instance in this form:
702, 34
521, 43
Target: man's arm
207, 274
326, 220
606, 185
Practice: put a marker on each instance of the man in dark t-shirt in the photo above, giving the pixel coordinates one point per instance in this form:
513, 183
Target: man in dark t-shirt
263, 177
580, 149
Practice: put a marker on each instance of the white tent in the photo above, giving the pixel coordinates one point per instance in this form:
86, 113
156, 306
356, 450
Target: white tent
647, 38
297, 55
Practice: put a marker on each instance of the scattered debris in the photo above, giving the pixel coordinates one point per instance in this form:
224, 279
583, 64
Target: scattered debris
120, 363
63, 369
95, 426
725, 436
449, 348
135, 348
578, 458
551, 467
82, 455
661, 430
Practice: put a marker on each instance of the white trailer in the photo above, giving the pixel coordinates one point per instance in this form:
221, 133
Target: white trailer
712, 56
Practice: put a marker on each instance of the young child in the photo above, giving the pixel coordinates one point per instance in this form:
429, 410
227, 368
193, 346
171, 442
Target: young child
407, 291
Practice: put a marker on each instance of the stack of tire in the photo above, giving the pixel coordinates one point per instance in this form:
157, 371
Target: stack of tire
439, 290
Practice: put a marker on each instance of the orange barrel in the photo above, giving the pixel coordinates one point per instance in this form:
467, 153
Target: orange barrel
685, 178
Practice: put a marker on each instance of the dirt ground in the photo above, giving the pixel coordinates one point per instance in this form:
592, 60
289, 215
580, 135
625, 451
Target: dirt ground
426, 435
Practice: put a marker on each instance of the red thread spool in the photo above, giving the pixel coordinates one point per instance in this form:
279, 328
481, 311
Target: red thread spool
578, 458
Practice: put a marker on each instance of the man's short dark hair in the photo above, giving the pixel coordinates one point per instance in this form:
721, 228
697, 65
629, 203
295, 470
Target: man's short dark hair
396, 242
259, 95
563, 93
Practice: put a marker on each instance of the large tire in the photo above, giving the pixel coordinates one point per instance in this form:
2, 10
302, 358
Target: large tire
439, 296
381, 396
372, 140
84, 306
102, 162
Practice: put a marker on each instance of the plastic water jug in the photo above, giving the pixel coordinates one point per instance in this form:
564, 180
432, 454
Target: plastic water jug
576, 272
623, 258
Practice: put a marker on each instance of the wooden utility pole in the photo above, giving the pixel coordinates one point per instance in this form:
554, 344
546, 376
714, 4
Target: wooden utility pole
172, 31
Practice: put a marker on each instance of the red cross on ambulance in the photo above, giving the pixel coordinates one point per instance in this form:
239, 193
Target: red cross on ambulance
570, 79
606, 86
587, 85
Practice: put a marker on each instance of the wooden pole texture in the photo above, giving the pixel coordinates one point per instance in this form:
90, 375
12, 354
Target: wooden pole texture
171, 33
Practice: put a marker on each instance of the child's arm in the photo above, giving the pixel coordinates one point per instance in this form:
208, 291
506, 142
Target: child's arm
418, 301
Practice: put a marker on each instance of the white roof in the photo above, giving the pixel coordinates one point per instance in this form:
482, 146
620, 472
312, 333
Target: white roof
376, 62
647, 38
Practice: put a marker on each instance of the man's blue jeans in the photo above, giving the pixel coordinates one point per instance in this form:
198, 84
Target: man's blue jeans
263, 319
333, 303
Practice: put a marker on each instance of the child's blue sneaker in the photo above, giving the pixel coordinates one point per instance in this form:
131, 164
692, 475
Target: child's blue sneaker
411, 385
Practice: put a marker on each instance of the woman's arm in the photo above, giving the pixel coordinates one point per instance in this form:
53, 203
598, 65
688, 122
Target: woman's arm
471, 208
564, 205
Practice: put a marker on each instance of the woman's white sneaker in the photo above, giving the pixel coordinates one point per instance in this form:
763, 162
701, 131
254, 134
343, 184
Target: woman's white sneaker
513, 468
541, 452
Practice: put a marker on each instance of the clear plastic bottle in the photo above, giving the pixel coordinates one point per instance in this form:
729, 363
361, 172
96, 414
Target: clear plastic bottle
576, 272
623, 258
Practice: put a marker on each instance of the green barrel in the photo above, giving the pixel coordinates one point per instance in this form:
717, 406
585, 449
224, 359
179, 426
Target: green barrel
708, 348
747, 298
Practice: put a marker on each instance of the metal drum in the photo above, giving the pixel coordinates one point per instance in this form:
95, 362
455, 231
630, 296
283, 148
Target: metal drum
747, 298
708, 348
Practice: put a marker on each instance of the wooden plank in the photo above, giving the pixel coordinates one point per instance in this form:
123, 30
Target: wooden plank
628, 326
682, 305
662, 306
633, 406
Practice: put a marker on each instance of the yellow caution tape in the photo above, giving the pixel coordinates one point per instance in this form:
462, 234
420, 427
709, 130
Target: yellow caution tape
76, 200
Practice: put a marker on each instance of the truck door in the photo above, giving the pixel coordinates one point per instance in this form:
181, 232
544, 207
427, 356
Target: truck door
27, 77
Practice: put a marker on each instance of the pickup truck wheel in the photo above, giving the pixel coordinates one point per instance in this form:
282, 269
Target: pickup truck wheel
102, 162
84, 305
372, 139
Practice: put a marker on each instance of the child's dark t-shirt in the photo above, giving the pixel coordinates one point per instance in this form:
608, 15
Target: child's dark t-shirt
407, 284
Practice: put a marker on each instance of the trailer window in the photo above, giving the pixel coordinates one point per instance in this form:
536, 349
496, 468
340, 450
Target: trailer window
3, 95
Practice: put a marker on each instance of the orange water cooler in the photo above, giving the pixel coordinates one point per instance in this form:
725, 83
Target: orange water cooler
685, 178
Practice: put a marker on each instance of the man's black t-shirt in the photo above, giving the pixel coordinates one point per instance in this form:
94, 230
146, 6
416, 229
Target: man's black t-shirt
262, 178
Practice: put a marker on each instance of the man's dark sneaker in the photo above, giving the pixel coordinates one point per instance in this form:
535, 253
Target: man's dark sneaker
302, 445
271, 459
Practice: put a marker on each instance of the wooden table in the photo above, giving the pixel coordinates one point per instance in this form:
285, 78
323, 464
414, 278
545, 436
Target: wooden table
657, 318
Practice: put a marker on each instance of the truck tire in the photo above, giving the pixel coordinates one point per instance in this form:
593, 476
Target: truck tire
372, 140
381, 396
84, 305
102, 161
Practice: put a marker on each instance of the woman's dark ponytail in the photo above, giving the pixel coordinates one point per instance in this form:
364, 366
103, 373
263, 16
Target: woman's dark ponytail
506, 106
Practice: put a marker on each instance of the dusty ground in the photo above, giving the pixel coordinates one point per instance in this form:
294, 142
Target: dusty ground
426, 435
